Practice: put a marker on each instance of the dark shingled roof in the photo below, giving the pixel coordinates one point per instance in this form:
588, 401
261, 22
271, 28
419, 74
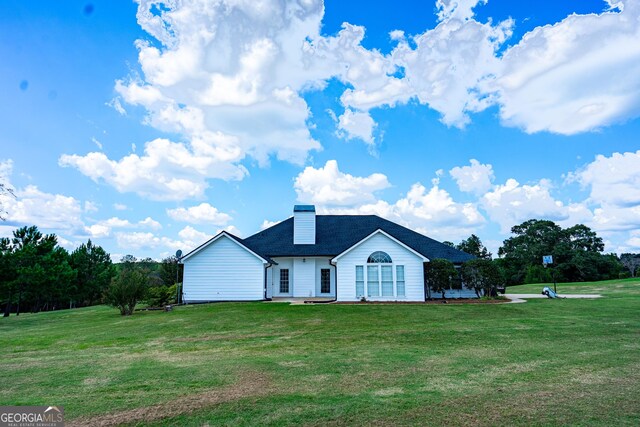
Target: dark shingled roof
337, 233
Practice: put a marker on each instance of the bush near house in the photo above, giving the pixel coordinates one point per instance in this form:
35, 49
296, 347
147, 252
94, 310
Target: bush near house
484, 276
442, 276
159, 296
126, 290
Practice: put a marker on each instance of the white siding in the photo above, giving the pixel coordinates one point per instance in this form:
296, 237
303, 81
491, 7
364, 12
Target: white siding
304, 228
223, 271
304, 277
413, 269
322, 263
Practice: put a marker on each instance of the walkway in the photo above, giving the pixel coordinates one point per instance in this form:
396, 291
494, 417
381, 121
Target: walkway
518, 298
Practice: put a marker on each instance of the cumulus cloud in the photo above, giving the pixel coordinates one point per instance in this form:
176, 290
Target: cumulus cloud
476, 178
613, 180
442, 67
104, 228
33, 206
329, 186
188, 239
429, 210
203, 213
90, 206
166, 171
228, 79
577, 75
53, 211
267, 224
356, 124
613, 183
512, 203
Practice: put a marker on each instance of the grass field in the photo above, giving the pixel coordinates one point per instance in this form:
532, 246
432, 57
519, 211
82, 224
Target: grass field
545, 362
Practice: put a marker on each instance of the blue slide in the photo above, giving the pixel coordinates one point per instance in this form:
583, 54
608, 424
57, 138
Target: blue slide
549, 292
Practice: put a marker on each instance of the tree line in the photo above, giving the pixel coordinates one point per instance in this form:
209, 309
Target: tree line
578, 256
37, 274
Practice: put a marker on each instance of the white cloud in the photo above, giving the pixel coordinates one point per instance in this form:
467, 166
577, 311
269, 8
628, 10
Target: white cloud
96, 142
434, 212
511, 203
104, 228
457, 9
204, 213
192, 238
267, 224
356, 124
150, 223
6, 169
329, 186
120, 207
117, 105
444, 70
97, 231
230, 229
633, 243
166, 171
227, 77
134, 241
189, 238
90, 206
431, 211
613, 183
31, 206
613, 180
578, 75
476, 178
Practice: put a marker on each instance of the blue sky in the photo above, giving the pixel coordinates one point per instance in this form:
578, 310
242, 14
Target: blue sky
150, 127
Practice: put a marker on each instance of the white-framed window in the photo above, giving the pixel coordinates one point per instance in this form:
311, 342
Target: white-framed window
373, 281
284, 281
387, 280
379, 257
400, 280
380, 278
359, 281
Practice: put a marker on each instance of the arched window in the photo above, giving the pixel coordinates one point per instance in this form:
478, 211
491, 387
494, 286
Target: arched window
379, 257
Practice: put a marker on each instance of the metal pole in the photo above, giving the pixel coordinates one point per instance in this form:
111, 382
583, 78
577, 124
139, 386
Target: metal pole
553, 274
177, 278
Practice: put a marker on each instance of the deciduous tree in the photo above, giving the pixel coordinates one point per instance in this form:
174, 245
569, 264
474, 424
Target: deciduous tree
631, 262
473, 246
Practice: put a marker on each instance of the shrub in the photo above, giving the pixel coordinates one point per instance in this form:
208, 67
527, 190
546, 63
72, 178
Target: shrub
442, 275
159, 296
126, 289
484, 276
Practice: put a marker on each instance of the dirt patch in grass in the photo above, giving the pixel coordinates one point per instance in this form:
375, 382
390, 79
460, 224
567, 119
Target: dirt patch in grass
249, 385
223, 337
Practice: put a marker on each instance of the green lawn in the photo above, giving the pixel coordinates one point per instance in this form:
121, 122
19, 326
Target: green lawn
545, 362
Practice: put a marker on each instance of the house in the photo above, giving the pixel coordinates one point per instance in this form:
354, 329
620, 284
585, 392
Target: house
342, 257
